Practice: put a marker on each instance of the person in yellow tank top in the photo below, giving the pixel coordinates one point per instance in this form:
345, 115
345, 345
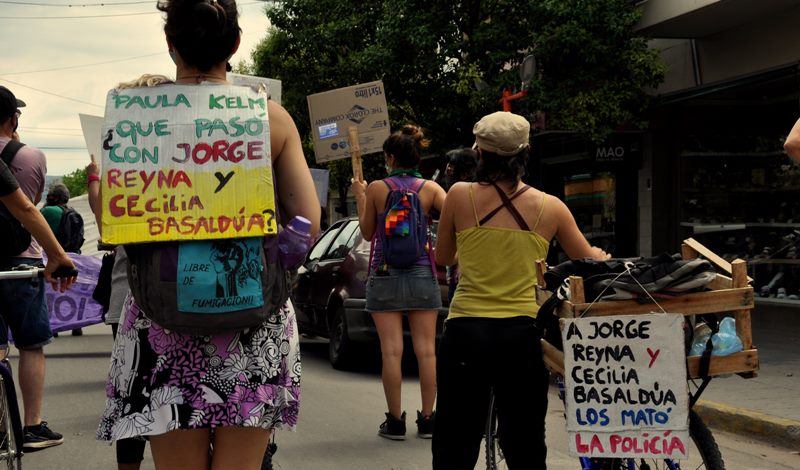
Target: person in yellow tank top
497, 227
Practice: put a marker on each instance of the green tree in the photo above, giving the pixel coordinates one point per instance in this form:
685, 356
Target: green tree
75, 182
592, 69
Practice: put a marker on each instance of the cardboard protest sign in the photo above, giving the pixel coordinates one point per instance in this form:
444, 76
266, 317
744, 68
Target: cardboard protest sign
333, 112
626, 391
186, 163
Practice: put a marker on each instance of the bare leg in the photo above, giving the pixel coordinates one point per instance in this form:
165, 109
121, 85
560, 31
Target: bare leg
181, 449
239, 448
390, 332
31, 383
423, 336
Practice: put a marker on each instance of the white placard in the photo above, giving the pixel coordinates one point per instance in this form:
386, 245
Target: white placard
92, 126
273, 87
626, 390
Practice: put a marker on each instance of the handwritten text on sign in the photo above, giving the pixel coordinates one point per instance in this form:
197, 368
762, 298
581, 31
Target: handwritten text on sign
186, 163
626, 386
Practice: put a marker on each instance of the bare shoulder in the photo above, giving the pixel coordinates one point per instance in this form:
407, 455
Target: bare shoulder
432, 187
282, 131
459, 189
376, 184
276, 111
279, 118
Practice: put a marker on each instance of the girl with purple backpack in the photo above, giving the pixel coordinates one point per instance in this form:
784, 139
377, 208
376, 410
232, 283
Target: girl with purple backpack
393, 290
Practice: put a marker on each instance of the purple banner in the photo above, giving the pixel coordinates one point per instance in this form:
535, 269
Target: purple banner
76, 308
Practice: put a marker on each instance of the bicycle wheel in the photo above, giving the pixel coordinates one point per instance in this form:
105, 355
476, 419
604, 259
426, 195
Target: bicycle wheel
703, 454
10, 431
493, 454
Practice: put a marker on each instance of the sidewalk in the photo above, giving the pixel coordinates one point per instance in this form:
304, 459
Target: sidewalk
766, 407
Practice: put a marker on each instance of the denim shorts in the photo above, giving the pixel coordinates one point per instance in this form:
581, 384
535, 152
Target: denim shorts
23, 308
403, 289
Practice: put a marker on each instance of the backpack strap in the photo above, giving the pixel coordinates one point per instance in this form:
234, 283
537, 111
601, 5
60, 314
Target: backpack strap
10, 151
508, 205
394, 185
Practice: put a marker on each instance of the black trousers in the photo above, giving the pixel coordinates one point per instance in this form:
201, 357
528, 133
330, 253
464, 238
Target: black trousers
477, 356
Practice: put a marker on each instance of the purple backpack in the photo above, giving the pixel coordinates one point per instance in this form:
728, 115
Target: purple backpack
404, 235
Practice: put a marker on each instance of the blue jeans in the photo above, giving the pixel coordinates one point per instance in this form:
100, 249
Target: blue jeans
23, 308
400, 290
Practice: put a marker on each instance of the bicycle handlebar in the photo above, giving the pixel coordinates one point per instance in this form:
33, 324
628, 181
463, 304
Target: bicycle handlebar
63, 272
25, 271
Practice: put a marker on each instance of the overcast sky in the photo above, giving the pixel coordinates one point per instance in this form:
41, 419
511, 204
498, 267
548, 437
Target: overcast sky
61, 64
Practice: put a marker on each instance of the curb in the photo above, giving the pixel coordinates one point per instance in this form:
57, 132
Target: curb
772, 429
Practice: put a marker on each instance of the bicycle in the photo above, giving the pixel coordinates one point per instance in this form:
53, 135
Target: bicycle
10, 421
493, 454
727, 294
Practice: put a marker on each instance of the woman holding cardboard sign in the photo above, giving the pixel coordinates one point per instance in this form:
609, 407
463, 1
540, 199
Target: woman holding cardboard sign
500, 227
175, 387
394, 286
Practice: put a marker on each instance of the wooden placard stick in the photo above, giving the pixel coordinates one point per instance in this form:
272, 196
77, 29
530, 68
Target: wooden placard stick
355, 154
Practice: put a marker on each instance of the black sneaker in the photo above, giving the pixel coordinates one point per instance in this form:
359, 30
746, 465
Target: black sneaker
393, 428
425, 425
40, 437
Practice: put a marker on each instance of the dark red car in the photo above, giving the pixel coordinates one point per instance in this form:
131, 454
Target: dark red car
329, 291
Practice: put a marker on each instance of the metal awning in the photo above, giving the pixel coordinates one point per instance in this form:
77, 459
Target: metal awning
781, 83
701, 18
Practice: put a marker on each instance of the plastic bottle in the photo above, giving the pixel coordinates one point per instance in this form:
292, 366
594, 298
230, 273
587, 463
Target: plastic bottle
725, 340
294, 242
700, 338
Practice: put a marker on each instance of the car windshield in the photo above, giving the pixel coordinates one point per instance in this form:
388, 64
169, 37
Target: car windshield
325, 240
342, 244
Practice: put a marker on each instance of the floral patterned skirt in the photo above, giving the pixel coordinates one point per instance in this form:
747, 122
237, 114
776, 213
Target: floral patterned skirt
160, 380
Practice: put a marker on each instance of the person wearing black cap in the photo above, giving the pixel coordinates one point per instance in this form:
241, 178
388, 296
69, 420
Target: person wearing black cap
22, 301
500, 227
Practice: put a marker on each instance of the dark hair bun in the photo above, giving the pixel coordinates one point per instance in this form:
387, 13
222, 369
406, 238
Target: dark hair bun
204, 32
415, 132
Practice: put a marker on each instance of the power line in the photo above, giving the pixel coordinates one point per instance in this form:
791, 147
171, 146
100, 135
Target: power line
75, 17
26, 128
50, 93
53, 133
106, 4
83, 65
104, 16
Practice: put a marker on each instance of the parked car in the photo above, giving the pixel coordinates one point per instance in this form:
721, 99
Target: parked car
329, 293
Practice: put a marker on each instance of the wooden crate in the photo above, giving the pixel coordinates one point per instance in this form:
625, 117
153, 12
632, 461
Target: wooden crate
726, 294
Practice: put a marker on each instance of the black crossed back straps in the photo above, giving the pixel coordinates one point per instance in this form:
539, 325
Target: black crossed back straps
508, 205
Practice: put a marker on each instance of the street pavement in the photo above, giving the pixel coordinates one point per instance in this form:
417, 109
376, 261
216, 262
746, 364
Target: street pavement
341, 411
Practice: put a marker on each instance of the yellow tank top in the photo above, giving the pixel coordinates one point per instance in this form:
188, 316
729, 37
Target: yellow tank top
498, 270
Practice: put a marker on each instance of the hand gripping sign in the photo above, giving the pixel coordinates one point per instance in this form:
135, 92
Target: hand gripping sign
186, 163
